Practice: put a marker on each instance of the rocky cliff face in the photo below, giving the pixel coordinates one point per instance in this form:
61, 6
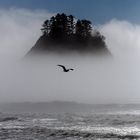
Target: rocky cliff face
45, 45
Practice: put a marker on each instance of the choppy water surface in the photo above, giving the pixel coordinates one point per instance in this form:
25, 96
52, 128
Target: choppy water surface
71, 126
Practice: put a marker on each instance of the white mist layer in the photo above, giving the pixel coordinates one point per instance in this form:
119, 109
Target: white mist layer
92, 81
20, 29
122, 38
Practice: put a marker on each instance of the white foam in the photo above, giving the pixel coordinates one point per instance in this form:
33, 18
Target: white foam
129, 112
13, 127
105, 130
44, 120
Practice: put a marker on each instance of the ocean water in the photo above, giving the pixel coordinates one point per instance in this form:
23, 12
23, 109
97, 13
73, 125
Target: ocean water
113, 124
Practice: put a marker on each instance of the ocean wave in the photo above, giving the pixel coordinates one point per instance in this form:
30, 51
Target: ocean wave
71, 126
45, 120
128, 112
8, 119
80, 134
43, 133
13, 127
105, 131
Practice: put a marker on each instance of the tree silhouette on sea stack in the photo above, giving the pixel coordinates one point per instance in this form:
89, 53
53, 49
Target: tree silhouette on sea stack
63, 33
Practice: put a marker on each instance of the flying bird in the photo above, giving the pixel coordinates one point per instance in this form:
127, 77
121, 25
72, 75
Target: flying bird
64, 68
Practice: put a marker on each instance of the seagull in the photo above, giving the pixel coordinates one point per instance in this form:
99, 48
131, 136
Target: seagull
64, 68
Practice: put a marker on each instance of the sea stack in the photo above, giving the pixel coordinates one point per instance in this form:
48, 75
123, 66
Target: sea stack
64, 34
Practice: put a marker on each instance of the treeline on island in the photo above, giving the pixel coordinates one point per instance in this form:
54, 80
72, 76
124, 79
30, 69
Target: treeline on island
64, 33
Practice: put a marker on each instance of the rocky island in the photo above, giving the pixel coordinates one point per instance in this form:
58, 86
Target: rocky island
64, 33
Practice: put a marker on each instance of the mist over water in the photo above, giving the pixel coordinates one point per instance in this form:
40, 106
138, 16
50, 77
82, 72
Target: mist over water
94, 80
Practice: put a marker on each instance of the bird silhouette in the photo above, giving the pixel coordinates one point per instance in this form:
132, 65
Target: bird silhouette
64, 68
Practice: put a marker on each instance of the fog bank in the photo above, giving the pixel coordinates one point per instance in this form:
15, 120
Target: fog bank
92, 81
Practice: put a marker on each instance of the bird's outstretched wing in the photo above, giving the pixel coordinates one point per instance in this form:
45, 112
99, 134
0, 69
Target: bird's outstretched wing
62, 67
